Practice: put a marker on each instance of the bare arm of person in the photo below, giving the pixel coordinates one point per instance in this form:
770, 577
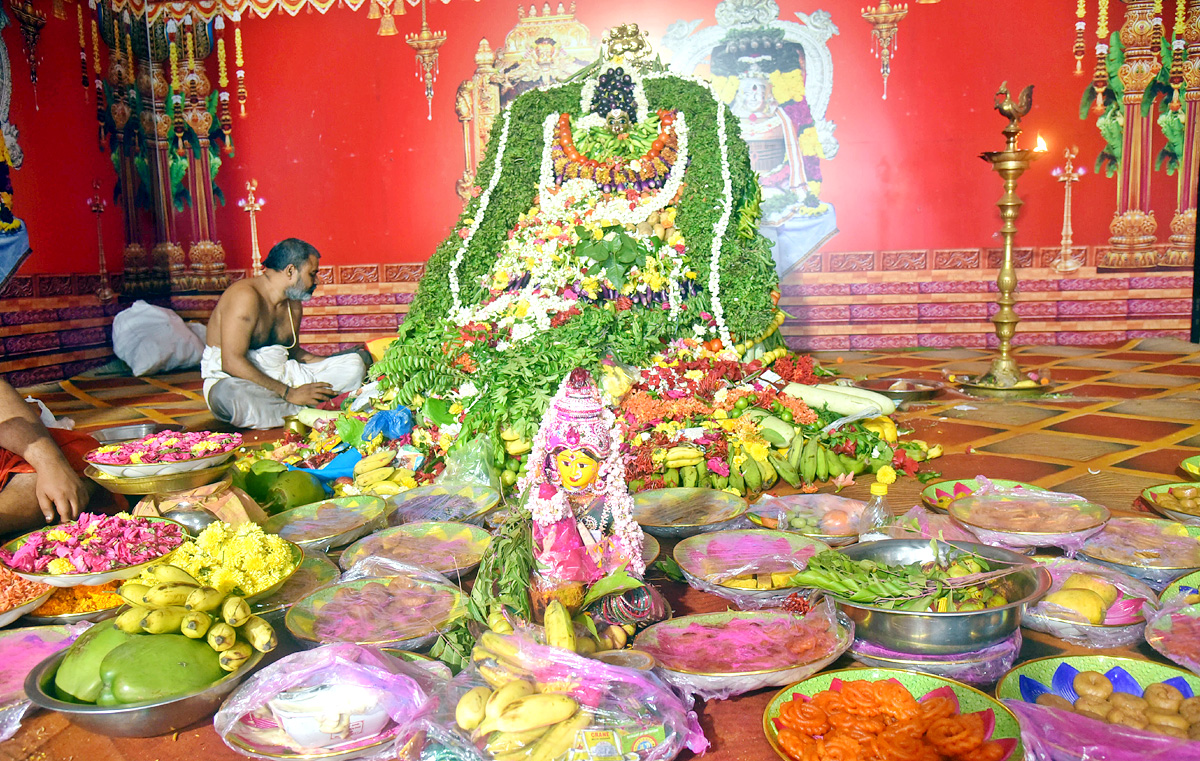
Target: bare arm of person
59, 490
237, 328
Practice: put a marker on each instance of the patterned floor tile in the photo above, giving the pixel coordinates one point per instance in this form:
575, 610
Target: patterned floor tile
1160, 380
1166, 409
1164, 461
1001, 413
1115, 490
1119, 427
962, 465
1111, 391
1056, 446
1101, 363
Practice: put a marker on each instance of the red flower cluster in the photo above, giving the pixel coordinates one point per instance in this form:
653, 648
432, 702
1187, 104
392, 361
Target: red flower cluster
796, 368
902, 461
624, 303
561, 317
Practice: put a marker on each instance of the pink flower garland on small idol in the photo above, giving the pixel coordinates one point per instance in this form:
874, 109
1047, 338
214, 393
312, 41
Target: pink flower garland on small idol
566, 419
168, 446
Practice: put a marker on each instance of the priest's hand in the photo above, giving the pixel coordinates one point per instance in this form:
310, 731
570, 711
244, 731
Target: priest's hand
60, 493
310, 394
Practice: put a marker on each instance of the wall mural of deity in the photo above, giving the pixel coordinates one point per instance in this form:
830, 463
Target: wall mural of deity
14, 240
777, 77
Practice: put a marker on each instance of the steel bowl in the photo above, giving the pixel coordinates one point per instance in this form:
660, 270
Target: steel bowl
136, 719
122, 433
919, 633
919, 390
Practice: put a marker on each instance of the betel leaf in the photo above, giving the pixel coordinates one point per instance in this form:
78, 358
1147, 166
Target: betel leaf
617, 582
350, 430
670, 569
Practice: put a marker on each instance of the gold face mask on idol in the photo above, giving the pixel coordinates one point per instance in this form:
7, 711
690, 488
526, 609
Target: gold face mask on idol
576, 468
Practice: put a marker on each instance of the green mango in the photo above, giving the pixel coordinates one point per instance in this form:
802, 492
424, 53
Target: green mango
157, 667
293, 489
78, 676
260, 479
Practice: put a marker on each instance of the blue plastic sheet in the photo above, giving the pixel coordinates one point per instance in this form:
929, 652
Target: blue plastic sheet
391, 423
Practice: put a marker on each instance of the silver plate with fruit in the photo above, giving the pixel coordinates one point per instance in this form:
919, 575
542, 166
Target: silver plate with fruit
1091, 605
1180, 502
825, 517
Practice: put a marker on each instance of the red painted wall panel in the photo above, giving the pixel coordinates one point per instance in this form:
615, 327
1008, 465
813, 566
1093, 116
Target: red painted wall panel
338, 139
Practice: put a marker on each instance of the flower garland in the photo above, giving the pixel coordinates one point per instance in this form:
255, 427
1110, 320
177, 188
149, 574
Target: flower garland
483, 204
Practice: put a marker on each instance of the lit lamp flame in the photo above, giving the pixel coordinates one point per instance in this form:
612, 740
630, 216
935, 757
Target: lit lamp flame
1041, 145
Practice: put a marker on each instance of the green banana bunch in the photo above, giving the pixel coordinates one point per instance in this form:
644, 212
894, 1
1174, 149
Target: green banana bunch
785, 470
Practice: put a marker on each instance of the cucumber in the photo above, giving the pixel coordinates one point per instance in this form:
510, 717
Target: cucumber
831, 397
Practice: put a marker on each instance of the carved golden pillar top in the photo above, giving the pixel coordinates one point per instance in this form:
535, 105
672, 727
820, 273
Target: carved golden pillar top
1142, 63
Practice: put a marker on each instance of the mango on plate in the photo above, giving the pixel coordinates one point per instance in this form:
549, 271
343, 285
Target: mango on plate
156, 667
78, 675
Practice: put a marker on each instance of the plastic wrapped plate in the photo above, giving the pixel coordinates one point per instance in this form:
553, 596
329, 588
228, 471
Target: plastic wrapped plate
1179, 502
682, 512
939, 495
315, 571
978, 668
1151, 550
719, 655
400, 612
1003, 724
331, 523
1176, 634
1068, 736
1186, 586
1016, 520
1125, 620
463, 503
451, 549
736, 564
827, 518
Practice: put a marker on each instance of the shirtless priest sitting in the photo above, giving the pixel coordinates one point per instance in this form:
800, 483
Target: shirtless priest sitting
255, 373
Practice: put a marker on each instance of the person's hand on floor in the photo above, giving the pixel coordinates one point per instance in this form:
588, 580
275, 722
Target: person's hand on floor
59, 491
310, 394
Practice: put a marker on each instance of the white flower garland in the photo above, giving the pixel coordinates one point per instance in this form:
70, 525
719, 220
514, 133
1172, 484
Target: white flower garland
484, 200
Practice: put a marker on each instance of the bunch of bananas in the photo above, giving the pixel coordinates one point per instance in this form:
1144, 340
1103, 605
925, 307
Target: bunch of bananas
809, 461
375, 474
754, 348
560, 633
179, 603
516, 715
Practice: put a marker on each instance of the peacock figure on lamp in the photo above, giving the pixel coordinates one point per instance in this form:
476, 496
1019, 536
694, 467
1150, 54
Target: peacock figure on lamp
583, 526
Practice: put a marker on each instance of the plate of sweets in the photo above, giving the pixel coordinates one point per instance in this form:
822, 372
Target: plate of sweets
849, 712
70, 605
718, 655
1153, 550
682, 512
93, 550
1016, 518
451, 549
1180, 502
19, 596
399, 611
1176, 634
1091, 605
315, 571
164, 453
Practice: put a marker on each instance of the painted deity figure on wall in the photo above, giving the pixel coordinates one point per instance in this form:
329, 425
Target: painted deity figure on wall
776, 77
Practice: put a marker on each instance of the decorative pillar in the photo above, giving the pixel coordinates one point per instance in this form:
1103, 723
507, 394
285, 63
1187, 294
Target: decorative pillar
167, 257
1133, 226
206, 255
121, 77
1182, 249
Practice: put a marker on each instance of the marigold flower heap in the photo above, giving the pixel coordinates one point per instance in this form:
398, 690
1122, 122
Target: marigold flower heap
168, 446
94, 544
242, 559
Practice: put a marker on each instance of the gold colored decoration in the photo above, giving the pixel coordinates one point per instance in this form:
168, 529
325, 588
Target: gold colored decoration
1133, 226
1010, 164
1068, 176
626, 41
238, 59
1080, 46
543, 48
83, 64
31, 22
885, 20
1181, 248
426, 44
387, 24
252, 205
104, 292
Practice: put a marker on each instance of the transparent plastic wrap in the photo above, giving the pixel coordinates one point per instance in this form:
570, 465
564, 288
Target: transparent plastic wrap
551, 702
1175, 633
379, 602
718, 655
826, 517
1154, 551
471, 463
462, 503
682, 512
447, 547
1052, 734
20, 651
1018, 519
1124, 618
919, 523
752, 568
979, 668
336, 699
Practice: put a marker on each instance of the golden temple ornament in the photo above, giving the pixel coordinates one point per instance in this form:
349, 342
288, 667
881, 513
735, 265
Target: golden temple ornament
252, 204
626, 41
104, 291
426, 44
885, 21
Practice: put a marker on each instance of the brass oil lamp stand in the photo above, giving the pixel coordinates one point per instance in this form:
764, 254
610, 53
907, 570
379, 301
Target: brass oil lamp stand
1005, 376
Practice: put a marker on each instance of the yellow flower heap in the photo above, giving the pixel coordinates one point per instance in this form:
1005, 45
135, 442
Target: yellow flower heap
242, 559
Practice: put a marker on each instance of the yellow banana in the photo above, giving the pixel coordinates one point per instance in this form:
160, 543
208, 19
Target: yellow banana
495, 674
373, 461
498, 623
401, 475
470, 709
683, 463
221, 636
165, 573
374, 476
505, 696
510, 434
560, 632
532, 711
518, 447
683, 453
560, 738
204, 599
233, 658
130, 621
508, 742
259, 634
195, 624
385, 488
164, 620
235, 611
503, 648
134, 594
165, 595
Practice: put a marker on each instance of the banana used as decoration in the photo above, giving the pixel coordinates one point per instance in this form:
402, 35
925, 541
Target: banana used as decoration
560, 632
470, 710
178, 604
